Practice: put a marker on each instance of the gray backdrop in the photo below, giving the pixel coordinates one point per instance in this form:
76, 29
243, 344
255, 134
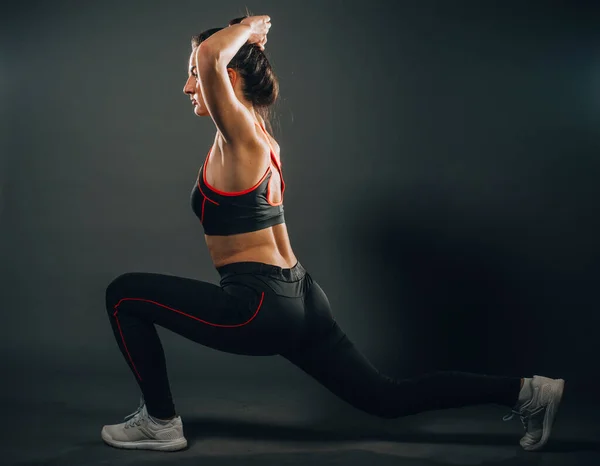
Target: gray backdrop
441, 162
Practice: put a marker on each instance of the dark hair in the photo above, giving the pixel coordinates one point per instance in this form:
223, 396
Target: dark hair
261, 86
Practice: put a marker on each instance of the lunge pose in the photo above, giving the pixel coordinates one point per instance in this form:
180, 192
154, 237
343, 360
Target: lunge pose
266, 302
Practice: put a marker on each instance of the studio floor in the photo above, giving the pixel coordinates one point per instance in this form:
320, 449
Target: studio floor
55, 418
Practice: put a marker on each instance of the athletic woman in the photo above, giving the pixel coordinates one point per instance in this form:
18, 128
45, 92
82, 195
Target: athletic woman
266, 303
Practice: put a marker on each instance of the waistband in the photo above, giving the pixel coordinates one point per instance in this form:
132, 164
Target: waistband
289, 275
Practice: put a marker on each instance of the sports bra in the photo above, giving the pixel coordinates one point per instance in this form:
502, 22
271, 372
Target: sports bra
228, 213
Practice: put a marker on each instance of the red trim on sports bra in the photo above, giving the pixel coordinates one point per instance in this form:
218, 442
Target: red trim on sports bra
206, 198
273, 158
229, 193
277, 164
282, 183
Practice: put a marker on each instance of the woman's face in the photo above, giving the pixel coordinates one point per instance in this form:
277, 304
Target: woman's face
192, 88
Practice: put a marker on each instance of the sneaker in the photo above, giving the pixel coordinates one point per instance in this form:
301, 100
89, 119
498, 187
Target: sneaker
539, 411
142, 432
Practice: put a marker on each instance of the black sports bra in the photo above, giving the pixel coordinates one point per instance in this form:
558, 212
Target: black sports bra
228, 213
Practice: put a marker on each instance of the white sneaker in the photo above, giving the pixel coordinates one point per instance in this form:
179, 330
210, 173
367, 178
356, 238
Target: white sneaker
142, 432
538, 412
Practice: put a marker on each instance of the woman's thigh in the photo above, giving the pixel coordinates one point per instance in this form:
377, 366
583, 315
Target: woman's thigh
236, 318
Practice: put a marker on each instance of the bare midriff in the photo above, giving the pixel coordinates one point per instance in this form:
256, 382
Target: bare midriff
270, 246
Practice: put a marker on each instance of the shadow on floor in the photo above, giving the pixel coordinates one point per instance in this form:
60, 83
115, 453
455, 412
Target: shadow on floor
238, 429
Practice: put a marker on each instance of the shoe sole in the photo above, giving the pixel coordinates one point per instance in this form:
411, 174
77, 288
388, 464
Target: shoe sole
170, 445
549, 417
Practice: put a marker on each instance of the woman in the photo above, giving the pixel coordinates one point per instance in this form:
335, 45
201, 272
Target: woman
266, 302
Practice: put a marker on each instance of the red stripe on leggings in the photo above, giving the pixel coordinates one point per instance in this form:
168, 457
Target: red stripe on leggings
262, 297
202, 216
125, 344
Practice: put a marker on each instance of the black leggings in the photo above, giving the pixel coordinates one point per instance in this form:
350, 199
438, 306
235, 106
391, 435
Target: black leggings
261, 309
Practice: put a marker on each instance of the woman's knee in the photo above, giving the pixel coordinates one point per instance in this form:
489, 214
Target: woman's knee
117, 289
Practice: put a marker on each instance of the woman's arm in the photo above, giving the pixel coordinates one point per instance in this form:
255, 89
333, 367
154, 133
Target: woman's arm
212, 56
224, 44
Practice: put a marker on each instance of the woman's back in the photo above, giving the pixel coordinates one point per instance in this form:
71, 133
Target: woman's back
243, 192
270, 246
238, 195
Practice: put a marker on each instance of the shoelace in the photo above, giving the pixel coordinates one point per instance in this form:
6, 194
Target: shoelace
523, 415
134, 418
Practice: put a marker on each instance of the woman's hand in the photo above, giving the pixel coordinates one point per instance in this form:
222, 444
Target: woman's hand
260, 28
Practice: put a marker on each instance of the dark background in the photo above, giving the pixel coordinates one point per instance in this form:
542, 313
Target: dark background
441, 161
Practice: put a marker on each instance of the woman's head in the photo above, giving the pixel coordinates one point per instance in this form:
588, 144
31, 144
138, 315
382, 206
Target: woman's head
258, 85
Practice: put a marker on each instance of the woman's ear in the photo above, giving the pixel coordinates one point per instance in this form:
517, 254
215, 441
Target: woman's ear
233, 76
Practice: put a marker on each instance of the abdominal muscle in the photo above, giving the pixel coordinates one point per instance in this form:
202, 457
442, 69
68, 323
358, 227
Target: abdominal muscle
270, 246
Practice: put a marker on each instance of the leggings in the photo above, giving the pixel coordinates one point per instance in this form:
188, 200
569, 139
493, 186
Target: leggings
260, 309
